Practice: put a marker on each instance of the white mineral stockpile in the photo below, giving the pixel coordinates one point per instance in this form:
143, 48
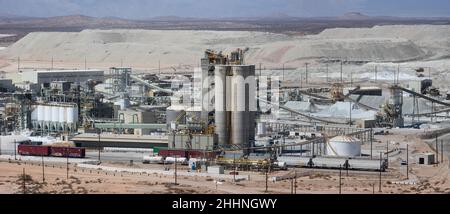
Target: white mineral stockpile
146, 47
342, 110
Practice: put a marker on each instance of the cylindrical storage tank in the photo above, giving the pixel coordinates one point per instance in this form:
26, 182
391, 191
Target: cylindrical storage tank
70, 114
34, 114
344, 146
178, 160
243, 92
47, 113
153, 159
40, 113
221, 112
55, 114
62, 114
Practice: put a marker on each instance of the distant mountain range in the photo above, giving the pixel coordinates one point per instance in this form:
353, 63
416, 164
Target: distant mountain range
87, 20
276, 23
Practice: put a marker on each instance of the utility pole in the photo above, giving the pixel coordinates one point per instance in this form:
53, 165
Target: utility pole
398, 74
99, 147
437, 151
350, 115
176, 170
85, 63
381, 159
292, 186
306, 66
340, 179
43, 168
387, 153
341, 72
260, 69
351, 79
52, 63
347, 168
283, 71
15, 150
407, 162
267, 178
376, 73
23, 182
234, 168
159, 67
295, 182
371, 143
18, 64
442, 151
301, 81
67, 163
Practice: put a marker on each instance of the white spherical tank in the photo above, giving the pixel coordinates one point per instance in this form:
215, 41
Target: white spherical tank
344, 146
62, 114
47, 113
40, 113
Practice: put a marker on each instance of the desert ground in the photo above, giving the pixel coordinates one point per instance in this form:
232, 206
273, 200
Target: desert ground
422, 179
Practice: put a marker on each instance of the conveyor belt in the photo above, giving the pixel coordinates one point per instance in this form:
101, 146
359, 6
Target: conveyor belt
420, 95
154, 86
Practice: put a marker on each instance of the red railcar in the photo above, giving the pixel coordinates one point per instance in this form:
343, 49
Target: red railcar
34, 150
71, 152
172, 153
201, 154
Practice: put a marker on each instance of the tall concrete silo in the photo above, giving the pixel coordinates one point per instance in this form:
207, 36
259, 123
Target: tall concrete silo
235, 104
222, 113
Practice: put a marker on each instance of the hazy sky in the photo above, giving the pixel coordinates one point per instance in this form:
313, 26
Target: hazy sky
142, 9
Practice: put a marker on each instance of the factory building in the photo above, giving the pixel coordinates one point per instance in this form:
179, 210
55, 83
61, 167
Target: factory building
193, 141
138, 116
76, 76
27, 86
6, 85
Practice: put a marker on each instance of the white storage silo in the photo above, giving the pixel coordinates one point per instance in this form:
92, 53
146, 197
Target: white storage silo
62, 114
70, 114
34, 114
47, 113
344, 146
40, 113
55, 114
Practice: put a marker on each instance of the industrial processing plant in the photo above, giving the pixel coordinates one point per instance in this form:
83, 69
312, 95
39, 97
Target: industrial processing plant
268, 105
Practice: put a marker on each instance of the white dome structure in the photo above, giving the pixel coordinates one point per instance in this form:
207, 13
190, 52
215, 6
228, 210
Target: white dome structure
344, 146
